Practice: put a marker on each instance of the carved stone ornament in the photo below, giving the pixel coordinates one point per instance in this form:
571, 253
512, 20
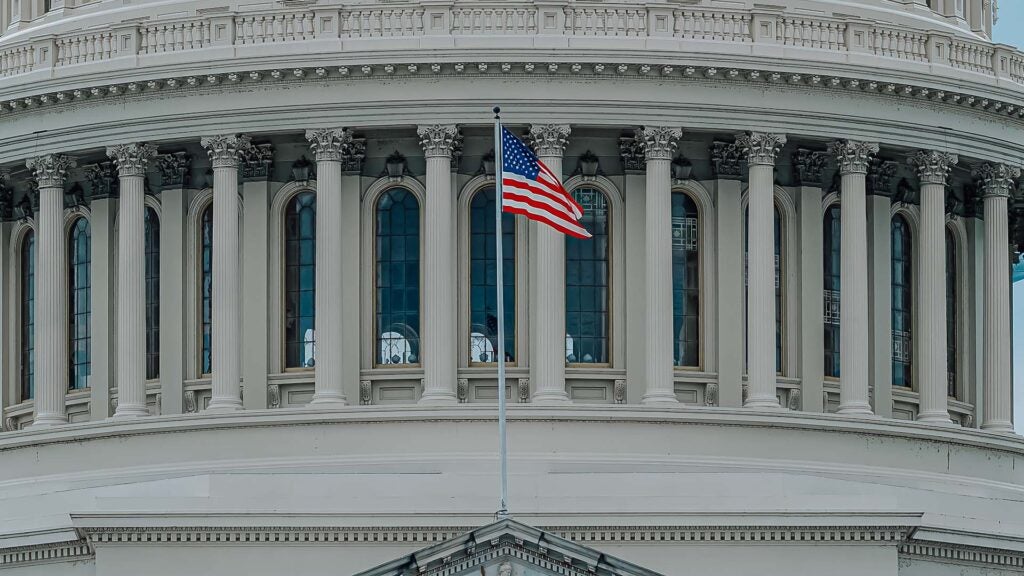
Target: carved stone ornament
354, 155
933, 167
659, 141
457, 152
329, 144
159, 404
632, 152
997, 179
725, 161
113, 404
174, 169
365, 392
880, 176
853, 156
190, 402
256, 161
131, 159
51, 170
103, 179
808, 166
6, 195
505, 569
619, 391
711, 394
760, 148
438, 140
225, 149
745, 392
523, 390
273, 396
549, 139
793, 400
462, 392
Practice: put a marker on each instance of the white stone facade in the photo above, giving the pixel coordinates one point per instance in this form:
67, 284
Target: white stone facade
167, 168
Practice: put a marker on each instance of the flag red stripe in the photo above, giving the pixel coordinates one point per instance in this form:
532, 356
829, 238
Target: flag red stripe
576, 208
541, 188
564, 226
539, 201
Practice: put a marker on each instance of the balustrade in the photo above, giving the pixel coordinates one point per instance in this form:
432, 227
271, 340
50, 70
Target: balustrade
17, 60
971, 56
722, 26
512, 20
81, 48
173, 37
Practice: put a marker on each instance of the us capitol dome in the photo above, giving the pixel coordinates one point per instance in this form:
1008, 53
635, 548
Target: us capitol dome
248, 319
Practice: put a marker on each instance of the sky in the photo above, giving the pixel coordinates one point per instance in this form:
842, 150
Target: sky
1010, 30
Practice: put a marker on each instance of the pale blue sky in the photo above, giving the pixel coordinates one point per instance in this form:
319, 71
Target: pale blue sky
1010, 30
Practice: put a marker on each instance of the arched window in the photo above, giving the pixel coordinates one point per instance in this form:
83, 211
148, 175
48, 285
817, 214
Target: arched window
588, 283
951, 313
206, 289
685, 281
28, 315
483, 279
300, 281
779, 279
832, 239
79, 303
902, 303
152, 232
397, 297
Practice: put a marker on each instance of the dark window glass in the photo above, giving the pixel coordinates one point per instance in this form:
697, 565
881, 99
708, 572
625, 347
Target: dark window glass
152, 294
832, 238
397, 272
951, 314
902, 303
685, 281
206, 288
483, 279
587, 283
79, 304
778, 282
28, 315
300, 281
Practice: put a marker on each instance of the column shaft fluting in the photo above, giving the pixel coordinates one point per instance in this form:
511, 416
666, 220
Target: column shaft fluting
997, 180
439, 302
761, 150
51, 346
549, 351
131, 162
930, 341
329, 147
659, 145
227, 369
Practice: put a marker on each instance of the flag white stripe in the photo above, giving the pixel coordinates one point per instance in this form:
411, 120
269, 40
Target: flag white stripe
566, 223
555, 207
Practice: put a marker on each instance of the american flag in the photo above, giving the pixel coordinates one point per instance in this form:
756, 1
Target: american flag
529, 188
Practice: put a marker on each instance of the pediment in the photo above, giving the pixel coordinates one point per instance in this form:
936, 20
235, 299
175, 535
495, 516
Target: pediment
508, 548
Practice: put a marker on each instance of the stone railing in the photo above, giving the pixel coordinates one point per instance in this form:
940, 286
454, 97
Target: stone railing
721, 27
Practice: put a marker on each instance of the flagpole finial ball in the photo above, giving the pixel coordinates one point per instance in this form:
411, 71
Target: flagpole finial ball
497, 110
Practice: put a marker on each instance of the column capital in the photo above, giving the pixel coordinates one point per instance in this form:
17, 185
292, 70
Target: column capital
659, 142
51, 170
225, 149
760, 148
809, 165
329, 144
996, 179
131, 159
438, 140
853, 156
933, 167
549, 139
174, 168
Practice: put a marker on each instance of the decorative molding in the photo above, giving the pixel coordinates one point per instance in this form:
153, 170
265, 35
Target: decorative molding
257, 161
808, 166
225, 150
659, 142
853, 156
793, 401
725, 161
62, 552
760, 148
329, 144
190, 402
175, 169
631, 150
880, 176
365, 392
51, 170
462, 390
933, 166
104, 181
549, 139
113, 404
355, 154
711, 394
131, 159
619, 391
438, 140
523, 390
997, 179
273, 396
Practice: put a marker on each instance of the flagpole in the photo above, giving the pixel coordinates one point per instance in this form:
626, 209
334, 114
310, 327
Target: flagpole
502, 428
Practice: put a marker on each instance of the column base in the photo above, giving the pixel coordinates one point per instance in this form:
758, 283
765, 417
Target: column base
550, 397
328, 400
47, 420
224, 405
766, 402
940, 418
998, 427
130, 411
659, 397
855, 409
438, 398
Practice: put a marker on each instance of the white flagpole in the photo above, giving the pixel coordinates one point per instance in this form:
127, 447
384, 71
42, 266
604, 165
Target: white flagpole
502, 435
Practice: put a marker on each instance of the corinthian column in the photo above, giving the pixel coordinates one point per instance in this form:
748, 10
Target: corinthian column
659, 146
548, 370
997, 182
131, 160
933, 168
51, 351
761, 148
439, 310
853, 158
224, 152
329, 146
